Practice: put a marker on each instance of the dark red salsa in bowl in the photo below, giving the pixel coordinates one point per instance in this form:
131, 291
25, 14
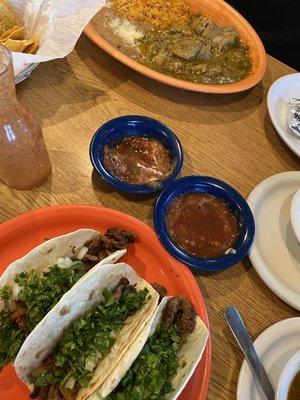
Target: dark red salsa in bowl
204, 222
202, 225
138, 160
136, 154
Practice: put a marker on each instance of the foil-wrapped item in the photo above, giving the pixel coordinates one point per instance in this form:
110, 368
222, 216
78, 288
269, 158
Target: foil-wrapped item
294, 116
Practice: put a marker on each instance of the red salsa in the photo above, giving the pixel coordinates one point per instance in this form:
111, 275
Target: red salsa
138, 160
202, 225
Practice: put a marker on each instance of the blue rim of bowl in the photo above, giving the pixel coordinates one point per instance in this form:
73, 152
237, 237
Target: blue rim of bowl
167, 137
221, 190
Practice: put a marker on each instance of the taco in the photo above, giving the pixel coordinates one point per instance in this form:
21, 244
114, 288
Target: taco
84, 338
32, 285
175, 344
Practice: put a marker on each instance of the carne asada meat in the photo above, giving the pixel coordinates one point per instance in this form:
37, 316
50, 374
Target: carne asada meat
50, 392
122, 287
18, 314
116, 239
55, 394
40, 393
47, 393
161, 290
104, 245
182, 312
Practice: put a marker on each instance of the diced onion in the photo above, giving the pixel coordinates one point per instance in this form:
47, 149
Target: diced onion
70, 383
64, 262
230, 251
15, 291
126, 30
90, 364
82, 253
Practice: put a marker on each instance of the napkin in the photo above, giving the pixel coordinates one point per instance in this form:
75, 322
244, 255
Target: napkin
56, 23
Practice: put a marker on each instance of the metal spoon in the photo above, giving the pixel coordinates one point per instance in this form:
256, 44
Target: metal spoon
241, 335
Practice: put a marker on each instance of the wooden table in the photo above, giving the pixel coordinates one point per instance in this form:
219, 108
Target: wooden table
230, 137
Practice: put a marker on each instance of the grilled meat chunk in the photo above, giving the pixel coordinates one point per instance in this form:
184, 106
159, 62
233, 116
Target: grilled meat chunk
121, 287
40, 393
55, 393
186, 47
161, 290
18, 313
211, 30
204, 52
226, 38
199, 23
182, 312
116, 239
103, 245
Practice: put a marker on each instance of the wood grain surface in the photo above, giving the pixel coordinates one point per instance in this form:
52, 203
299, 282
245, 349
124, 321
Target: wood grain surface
230, 137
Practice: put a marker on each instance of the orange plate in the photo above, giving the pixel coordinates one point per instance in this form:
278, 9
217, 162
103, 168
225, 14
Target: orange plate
147, 256
220, 12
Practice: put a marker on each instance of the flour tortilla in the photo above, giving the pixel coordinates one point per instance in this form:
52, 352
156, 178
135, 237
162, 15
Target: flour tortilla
82, 298
189, 355
42, 256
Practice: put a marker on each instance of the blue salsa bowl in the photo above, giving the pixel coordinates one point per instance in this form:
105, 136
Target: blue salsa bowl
216, 188
119, 128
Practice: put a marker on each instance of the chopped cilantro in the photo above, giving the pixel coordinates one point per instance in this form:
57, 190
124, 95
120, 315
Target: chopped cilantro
150, 375
90, 338
41, 293
11, 337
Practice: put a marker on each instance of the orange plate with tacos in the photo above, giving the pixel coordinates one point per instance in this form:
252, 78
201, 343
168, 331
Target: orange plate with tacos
219, 12
19, 235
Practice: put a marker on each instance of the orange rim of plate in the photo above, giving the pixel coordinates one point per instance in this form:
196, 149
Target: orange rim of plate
221, 12
20, 234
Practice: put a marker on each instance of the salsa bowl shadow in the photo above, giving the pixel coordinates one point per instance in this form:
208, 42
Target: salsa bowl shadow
220, 12
216, 188
119, 128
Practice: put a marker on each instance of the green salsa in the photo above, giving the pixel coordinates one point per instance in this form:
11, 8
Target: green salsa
150, 375
200, 51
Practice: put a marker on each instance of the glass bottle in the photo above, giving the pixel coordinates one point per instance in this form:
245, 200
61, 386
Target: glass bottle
24, 160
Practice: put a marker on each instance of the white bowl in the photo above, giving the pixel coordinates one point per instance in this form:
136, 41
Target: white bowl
287, 376
25, 73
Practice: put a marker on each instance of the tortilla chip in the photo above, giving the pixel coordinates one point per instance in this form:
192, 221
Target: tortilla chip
32, 46
15, 45
29, 46
12, 32
15, 33
8, 17
8, 6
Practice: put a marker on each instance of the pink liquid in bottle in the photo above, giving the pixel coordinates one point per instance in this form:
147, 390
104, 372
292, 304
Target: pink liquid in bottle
24, 160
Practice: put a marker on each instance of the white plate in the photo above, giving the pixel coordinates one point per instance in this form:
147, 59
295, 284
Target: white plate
276, 345
275, 253
295, 214
279, 94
